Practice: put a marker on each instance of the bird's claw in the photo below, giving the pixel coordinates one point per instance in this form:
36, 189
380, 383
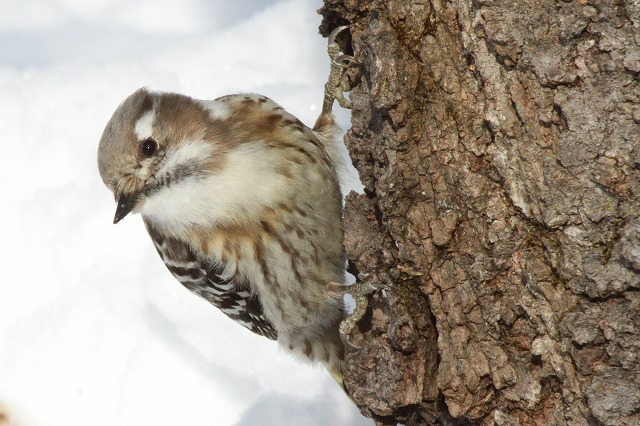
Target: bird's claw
336, 86
335, 32
360, 292
345, 59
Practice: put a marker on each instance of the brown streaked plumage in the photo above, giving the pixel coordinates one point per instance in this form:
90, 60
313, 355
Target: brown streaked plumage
243, 204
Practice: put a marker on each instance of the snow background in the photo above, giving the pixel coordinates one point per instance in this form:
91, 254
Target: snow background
93, 328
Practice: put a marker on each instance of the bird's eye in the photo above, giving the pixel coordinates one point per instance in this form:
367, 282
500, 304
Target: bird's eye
149, 147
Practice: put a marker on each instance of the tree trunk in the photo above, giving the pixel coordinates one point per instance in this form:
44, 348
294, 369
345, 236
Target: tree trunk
499, 145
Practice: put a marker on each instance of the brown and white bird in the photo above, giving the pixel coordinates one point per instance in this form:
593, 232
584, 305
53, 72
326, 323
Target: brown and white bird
243, 204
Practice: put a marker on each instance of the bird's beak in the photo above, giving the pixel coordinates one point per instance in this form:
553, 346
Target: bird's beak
126, 203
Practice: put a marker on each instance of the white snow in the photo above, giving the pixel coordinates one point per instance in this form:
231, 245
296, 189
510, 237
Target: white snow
93, 328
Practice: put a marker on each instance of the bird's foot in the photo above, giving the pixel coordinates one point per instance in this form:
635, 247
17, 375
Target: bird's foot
360, 292
338, 82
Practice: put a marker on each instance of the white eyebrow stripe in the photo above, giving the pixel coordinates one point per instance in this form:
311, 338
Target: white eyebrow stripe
144, 125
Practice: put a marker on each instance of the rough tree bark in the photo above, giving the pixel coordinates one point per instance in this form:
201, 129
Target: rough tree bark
499, 145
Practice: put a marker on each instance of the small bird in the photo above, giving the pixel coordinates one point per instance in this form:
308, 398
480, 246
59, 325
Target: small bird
243, 204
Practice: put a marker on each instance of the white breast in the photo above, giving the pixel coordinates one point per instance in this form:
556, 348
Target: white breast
245, 182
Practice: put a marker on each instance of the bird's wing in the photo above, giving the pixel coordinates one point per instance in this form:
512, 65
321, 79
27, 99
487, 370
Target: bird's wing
237, 303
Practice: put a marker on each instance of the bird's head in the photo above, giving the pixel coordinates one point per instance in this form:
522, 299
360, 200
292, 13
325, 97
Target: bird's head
154, 141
